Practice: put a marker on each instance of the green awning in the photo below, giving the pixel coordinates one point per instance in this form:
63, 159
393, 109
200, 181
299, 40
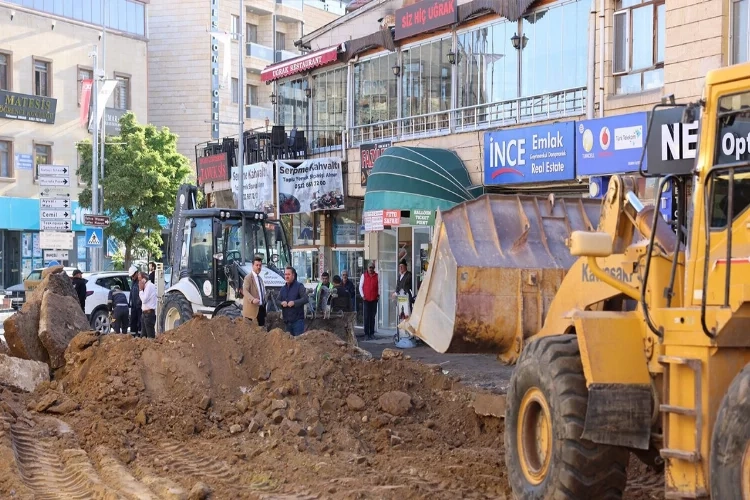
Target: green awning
407, 178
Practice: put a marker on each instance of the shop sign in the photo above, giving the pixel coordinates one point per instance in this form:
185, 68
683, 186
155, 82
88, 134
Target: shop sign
422, 218
28, 108
391, 217
373, 220
672, 145
368, 153
300, 64
611, 145
112, 120
427, 15
531, 154
257, 187
212, 168
24, 161
310, 185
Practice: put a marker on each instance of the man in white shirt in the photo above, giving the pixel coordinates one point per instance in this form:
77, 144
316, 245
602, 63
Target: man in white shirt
147, 295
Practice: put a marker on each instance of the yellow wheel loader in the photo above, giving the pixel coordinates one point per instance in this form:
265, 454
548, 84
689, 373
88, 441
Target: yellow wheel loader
634, 337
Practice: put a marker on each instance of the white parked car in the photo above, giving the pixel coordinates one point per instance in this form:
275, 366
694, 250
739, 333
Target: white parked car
97, 293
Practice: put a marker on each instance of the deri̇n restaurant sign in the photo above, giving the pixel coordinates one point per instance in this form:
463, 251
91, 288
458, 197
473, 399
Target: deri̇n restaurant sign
424, 16
30, 108
530, 154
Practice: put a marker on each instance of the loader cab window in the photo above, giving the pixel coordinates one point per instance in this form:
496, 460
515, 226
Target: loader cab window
201, 239
732, 146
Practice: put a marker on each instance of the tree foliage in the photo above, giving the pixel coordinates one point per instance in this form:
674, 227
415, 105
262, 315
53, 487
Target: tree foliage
142, 173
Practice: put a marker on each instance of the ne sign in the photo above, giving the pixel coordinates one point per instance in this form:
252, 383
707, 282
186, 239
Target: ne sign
672, 146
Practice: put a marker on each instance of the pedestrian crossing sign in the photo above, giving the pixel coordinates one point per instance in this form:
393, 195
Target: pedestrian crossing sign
94, 237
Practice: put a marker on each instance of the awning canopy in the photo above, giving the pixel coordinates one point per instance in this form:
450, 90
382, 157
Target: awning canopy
407, 178
301, 64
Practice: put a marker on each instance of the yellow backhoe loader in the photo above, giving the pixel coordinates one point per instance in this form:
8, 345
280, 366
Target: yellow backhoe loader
643, 346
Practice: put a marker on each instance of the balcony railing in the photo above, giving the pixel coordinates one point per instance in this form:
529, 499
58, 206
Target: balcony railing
294, 4
259, 51
283, 55
258, 113
570, 102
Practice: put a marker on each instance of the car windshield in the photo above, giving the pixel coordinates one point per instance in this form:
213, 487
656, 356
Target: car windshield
264, 239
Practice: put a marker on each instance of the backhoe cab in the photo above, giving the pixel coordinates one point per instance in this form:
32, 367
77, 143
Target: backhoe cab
217, 251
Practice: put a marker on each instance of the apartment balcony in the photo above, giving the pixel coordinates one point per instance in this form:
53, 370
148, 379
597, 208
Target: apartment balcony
257, 57
258, 113
283, 55
260, 7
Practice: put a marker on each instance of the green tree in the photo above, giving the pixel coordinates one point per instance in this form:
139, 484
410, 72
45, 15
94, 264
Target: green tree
142, 173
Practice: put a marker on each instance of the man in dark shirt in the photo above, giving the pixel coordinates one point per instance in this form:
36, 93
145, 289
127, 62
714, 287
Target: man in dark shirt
293, 297
135, 303
118, 306
79, 285
342, 301
349, 286
152, 272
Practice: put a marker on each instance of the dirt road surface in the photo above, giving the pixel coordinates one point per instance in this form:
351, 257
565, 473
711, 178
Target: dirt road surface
216, 409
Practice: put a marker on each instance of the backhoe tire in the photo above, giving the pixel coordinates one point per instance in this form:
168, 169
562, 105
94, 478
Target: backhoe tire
175, 311
544, 417
730, 442
231, 311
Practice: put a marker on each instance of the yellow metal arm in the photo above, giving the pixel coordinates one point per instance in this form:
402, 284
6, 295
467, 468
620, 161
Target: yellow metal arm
628, 290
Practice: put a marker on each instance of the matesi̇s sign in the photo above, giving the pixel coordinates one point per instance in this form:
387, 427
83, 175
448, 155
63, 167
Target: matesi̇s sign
29, 108
425, 16
213, 168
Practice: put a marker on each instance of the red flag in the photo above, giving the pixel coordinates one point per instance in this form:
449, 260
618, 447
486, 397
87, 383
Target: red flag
86, 86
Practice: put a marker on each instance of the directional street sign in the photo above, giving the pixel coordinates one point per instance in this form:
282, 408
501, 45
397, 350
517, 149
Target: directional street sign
56, 240
54, 214
55, 255
54, 170
54, 203
54, 181
55, 225
94, 237
55, 192
96, 220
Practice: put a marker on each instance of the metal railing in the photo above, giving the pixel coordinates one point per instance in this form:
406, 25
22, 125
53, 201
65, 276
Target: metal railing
259, 51
530, 109
258, 113
294, 4
283, 55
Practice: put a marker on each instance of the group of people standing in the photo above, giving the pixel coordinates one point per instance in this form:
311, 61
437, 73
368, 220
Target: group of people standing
138, 309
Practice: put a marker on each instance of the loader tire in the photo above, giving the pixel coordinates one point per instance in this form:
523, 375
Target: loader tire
175, 311
231, 311
544, 418
730, 442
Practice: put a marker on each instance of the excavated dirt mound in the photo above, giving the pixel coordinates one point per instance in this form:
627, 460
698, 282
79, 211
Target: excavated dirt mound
221, 409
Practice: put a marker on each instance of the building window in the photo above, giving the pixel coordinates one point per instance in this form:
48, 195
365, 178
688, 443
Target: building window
6, 159
305, 229
329, 107
123, 15
42, 77
638, 58
251, 95
235, 91
251, 33
83, 74
5, 73
375, 90
280, 41
293, 104
426, 78
42, 156
740, 39
346, 224
122, 92
235, 25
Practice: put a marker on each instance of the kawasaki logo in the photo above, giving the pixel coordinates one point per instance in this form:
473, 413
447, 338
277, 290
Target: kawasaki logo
616, 272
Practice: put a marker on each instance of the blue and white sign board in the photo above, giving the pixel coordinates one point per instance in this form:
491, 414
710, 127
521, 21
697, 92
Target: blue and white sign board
531, 154
611, 145
94, 237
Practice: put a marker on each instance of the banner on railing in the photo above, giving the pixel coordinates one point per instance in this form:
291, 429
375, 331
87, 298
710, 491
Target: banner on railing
368, 153
257, 185
309, 185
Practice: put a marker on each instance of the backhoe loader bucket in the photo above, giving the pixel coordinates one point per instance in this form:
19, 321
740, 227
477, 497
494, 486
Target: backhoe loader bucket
495, 266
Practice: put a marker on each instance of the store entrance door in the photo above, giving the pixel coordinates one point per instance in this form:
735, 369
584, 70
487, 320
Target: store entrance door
351, 261
11, 252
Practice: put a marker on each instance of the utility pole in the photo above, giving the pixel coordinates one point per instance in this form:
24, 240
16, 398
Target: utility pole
103, 138
95, 264
241, 100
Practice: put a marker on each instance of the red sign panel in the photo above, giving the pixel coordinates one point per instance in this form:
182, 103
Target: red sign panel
213, 168
424, 16
300, 64
391, 217
368, 153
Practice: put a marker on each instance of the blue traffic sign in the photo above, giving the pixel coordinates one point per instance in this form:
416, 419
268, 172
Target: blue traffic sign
94, 237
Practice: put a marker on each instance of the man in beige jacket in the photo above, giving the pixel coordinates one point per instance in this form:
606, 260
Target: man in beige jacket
254, 294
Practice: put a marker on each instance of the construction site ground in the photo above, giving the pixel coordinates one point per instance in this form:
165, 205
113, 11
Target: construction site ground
220, 409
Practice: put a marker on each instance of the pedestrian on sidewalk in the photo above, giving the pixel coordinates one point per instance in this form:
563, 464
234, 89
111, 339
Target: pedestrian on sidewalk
135, 303
118, 306
152, 272
349, 286
79, 285
293, 297
370, 292
147, 295
254, 294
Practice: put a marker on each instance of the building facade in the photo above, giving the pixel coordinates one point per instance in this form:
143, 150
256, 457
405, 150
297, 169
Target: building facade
180, 63
478, 78
44, 57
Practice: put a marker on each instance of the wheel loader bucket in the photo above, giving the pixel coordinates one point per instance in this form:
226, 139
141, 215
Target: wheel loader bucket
495, 266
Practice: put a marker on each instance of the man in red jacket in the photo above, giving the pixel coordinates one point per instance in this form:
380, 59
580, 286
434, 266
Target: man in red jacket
370, 292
